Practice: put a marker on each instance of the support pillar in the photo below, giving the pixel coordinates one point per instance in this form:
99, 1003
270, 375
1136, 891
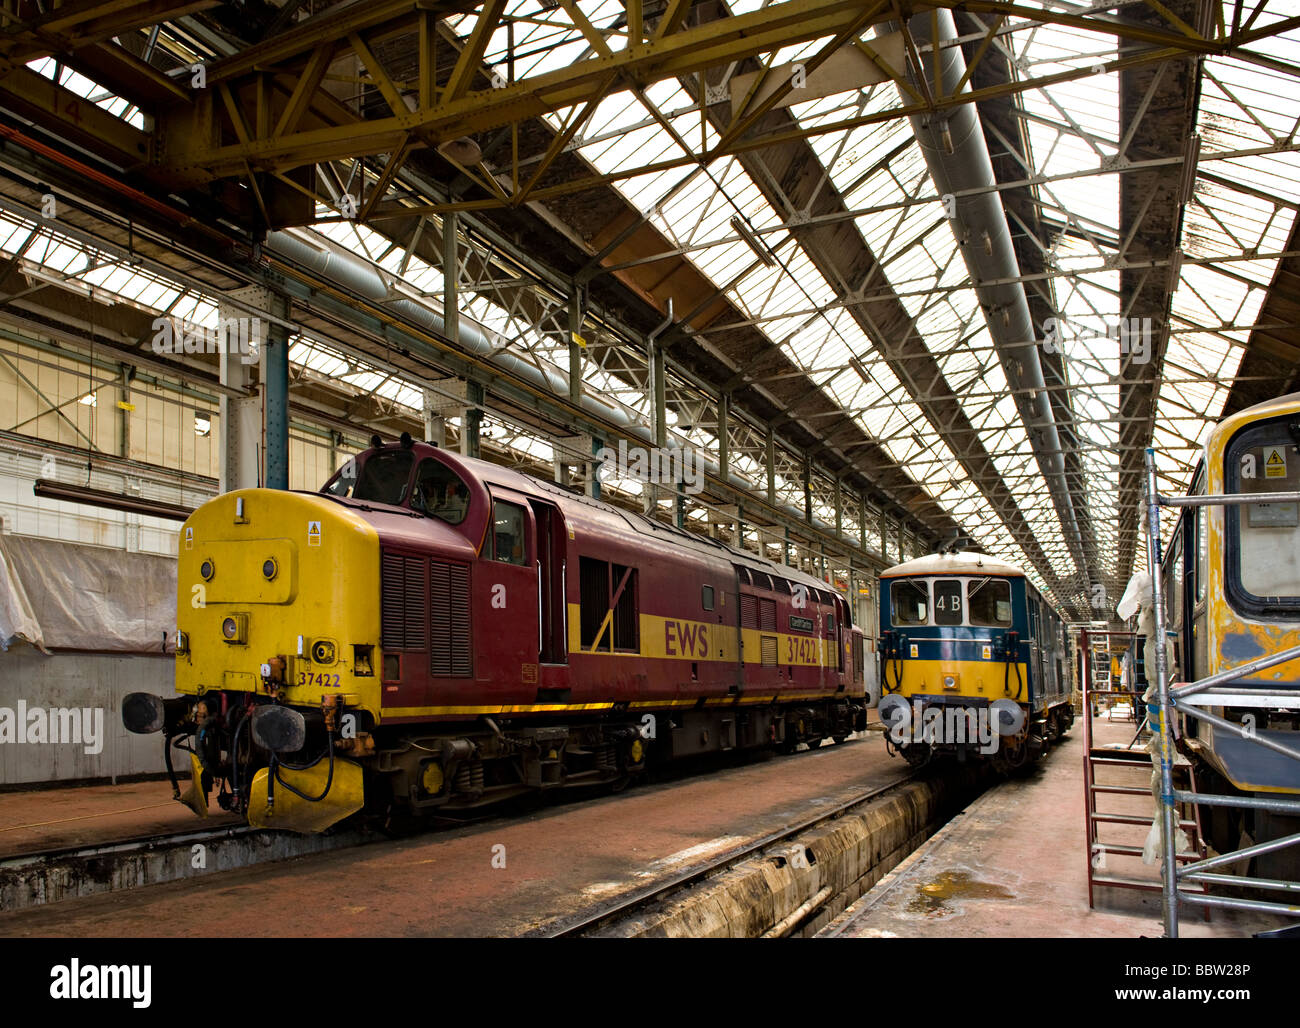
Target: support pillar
659, 398
577, 303
450, 284
275, 369
469, 436
807, 489
839, 510
240, 443
771, 466
435, 424
724, 436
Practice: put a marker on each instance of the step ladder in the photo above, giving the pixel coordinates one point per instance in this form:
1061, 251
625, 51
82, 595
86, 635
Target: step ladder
1124, 769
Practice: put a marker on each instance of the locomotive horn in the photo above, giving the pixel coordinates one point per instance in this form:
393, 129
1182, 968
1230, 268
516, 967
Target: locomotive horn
279, 729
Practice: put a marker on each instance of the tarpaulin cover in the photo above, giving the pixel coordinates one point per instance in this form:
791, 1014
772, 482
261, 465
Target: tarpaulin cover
66, 596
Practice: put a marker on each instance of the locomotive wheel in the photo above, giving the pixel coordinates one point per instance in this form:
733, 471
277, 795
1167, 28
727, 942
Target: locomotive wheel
917, 754
839, 738
1017, 756
814, 743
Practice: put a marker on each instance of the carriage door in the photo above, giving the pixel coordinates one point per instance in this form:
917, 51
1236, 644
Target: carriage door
510, 571
1035, 685
551, 550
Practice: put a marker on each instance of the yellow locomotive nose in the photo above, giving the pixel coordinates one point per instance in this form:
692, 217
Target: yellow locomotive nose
278, 601
260, 577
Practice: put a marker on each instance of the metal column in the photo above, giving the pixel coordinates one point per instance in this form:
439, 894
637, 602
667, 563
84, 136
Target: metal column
275, 369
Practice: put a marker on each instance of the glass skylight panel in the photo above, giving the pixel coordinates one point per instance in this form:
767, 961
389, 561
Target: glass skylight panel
81, 86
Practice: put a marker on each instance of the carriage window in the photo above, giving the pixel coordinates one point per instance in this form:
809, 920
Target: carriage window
706, 597
989, 602
439, 492
1263, 539
383, 479
508, 541
608, 605
909, 602
1202, 550
947, 601
1174, 582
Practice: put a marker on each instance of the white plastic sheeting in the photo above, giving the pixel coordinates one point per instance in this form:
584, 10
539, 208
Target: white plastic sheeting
64, 596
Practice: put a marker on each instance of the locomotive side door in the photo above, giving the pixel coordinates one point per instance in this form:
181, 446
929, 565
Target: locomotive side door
509, 576
551, 551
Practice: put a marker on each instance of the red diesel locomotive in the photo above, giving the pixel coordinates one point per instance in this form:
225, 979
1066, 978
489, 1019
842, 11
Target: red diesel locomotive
433, 632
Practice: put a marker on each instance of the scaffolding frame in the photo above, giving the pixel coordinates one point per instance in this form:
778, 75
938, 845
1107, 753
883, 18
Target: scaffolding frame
1174, 698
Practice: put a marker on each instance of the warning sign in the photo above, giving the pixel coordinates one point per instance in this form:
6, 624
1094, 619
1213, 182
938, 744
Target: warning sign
1274, 463
914, 649
987, 653
313, 533
189, 538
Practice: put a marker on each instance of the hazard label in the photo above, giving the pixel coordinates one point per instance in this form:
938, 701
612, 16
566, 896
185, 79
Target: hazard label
914, 650
987, 652
313, 533
189, 538
1274, 463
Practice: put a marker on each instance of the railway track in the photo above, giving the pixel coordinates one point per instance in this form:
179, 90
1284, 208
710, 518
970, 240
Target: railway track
623, 907
48, 876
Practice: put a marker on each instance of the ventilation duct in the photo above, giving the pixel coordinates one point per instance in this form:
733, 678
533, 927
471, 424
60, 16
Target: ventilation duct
952, 143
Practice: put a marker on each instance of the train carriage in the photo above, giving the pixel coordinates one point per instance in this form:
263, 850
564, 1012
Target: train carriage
973, 661
1232, 594
432, 632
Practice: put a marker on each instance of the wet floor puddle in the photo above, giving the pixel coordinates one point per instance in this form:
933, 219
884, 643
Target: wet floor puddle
932, 898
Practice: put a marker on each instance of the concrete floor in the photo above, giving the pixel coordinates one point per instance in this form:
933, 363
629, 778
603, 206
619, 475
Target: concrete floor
1014, 864
56, 818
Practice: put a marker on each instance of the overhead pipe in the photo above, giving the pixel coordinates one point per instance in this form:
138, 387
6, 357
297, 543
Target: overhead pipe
957, 156
362, 279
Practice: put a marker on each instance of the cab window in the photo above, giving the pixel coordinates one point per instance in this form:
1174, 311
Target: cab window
1263, 539
909, 602
384, 478
439, 492
508, 542
988, 601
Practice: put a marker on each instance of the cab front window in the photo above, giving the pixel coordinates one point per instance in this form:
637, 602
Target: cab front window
384, 477
439, 492
1263, 539
909, 602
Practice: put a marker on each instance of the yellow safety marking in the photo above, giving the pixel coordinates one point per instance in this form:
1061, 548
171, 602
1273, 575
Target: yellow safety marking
518, 708
609, 618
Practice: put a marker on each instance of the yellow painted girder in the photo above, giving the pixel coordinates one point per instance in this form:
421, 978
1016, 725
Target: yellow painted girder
721, 41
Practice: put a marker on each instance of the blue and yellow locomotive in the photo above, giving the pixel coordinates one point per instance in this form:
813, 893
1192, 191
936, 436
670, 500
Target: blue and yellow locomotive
973, 661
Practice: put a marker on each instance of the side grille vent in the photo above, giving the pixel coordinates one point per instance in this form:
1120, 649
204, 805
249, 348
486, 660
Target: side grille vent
403, 613
449, 654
